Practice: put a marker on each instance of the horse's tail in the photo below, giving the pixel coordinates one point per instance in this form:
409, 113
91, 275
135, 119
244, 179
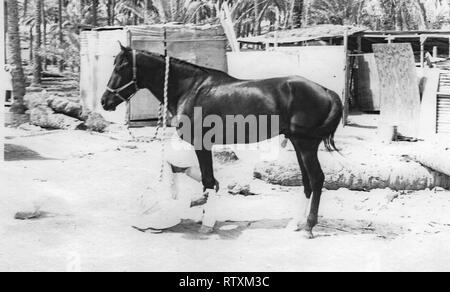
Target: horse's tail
331, 124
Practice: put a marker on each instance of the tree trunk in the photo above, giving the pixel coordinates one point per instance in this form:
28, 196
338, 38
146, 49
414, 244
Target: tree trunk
398, 20
298, 13
82, 4
423, 12
147, 12
109, 11
18, 78
255, 24
306, 7
30, 49
291, 14
44, 37
25, 9
60, 33
161, 10
95, 13
173, 10
37, 66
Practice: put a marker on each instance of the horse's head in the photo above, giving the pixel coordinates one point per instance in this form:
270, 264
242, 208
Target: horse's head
123, 83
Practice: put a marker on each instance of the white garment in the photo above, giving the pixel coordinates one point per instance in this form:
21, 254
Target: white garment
159, 209
180, 153
163, 206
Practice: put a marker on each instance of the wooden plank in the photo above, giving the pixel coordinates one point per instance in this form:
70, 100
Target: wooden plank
400, 97
345, 95
209, 53
143, 124
428, 110
369, 92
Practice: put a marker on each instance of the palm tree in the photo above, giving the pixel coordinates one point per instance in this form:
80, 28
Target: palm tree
256, 22
44, 35
95, 13
37, 64
110, 11
246, 20
185, 11
337, 11
18, 77
297, 14
60, 32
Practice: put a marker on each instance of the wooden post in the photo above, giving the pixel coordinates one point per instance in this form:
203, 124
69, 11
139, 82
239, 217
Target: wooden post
131, 45
346, 71
449, 46
435, 52
275, 45
422, 50
359, 44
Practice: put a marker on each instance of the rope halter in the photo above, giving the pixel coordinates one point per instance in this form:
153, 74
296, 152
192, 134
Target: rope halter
117, 92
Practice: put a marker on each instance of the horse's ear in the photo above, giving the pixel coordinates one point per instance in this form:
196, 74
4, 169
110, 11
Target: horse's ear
122, 47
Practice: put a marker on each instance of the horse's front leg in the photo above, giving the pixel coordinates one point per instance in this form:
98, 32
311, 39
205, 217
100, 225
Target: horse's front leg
210, 186
205, 160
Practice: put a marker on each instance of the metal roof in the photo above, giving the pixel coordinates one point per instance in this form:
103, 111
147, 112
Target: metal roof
317, 32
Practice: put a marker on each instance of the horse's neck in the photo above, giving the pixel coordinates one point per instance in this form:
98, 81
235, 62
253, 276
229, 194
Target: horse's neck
181, 79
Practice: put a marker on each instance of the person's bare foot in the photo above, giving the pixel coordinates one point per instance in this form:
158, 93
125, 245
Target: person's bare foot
199, 202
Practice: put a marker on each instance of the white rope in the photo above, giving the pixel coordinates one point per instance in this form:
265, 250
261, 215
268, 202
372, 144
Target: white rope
159, 123
164, 118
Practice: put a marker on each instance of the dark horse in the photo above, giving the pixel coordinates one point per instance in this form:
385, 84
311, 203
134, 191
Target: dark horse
308, 113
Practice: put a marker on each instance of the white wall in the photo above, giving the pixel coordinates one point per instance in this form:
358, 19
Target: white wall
322, 64
97, 64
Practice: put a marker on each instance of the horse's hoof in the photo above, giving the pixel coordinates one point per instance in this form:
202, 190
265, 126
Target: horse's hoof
206, 230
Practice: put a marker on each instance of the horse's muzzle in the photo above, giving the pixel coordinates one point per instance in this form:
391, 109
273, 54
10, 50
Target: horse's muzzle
108, 104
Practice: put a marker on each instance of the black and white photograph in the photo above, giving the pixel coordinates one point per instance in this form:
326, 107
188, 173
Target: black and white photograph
224, 136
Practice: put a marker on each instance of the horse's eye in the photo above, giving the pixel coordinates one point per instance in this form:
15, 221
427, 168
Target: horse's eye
121, 66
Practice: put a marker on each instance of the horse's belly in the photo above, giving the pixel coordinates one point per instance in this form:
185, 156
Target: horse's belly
243, 131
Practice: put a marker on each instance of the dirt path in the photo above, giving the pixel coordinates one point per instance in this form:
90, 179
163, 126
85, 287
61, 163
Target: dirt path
89, 186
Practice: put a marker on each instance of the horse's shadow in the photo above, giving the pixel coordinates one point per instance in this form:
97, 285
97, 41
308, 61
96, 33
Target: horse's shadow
327, 228
228, 230
14, 152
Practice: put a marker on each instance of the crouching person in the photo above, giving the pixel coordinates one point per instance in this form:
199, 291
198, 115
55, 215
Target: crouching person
167, 203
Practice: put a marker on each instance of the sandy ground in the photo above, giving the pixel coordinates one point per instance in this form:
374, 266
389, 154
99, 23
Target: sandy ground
89, 187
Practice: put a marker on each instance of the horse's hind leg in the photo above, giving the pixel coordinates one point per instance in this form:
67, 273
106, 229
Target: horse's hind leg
300, 218
308, 149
